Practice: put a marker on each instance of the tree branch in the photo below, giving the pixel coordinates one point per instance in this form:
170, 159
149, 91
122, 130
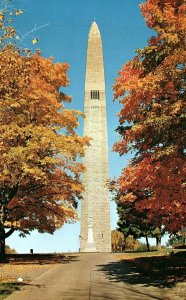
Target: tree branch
7, 234
31, 31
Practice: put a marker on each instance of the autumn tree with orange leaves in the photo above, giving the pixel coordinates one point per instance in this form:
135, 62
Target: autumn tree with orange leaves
151, 88
39, 173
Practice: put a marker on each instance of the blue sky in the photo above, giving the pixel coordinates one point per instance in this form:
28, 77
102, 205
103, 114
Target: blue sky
63, 27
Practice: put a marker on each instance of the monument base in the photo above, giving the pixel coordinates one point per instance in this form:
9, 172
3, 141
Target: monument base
90, 248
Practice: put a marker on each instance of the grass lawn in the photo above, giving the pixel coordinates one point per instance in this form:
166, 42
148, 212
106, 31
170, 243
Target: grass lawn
7, 288
162, 252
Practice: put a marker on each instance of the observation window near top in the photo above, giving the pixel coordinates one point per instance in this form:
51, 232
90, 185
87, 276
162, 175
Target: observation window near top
94, 94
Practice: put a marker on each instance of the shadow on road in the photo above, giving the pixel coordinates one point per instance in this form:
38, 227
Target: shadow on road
122, 271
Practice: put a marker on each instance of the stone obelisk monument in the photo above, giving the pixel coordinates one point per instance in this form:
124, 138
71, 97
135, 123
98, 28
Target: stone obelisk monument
95, 211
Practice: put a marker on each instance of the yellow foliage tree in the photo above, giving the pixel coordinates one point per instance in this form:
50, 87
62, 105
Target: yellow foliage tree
117, 240
39, 173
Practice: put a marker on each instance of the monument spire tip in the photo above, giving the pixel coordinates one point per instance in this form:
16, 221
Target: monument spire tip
94, 28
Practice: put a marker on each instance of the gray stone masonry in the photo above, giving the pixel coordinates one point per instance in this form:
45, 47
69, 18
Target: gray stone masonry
95, 212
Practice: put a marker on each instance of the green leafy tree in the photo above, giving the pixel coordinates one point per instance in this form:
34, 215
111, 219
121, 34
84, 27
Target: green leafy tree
177, 239
134, 222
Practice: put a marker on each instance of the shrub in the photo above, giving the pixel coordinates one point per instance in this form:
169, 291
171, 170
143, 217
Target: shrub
142, 247
131, 243
9, 250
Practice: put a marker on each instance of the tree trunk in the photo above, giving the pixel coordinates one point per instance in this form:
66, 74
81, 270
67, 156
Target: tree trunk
2, 244
158, 242
147, 243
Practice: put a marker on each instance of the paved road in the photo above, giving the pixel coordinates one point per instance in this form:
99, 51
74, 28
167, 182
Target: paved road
91, 276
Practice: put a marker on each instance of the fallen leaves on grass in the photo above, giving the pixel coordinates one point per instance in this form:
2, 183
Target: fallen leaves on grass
10, 272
